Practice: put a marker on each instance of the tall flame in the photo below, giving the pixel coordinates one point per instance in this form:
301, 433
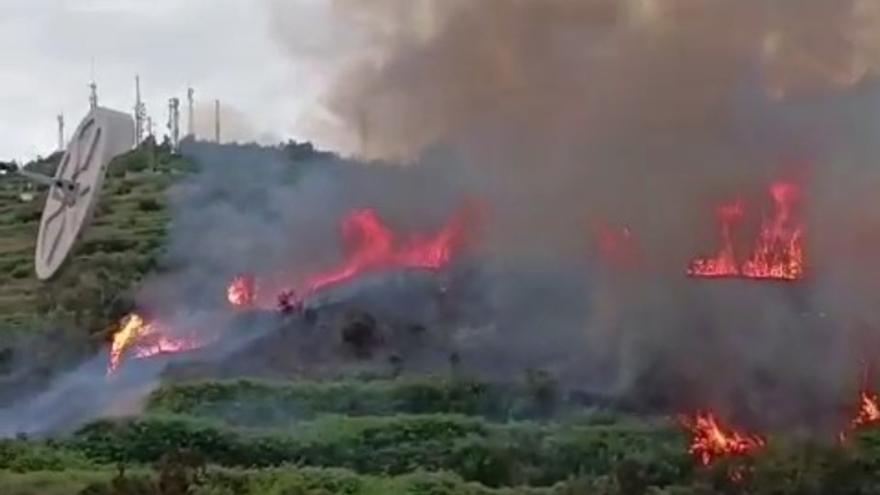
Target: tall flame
370, 247
241, 293
131, 328
869, 411
724, 263
711, 441
142, 340
779, 252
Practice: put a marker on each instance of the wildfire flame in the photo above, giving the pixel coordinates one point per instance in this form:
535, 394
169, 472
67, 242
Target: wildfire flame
370, 247
241, 293
711, 441
131, 327
778, 252
142, 340
869, 411
724, 263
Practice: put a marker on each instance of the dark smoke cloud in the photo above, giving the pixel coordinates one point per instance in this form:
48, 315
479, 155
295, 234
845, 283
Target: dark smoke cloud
646, 114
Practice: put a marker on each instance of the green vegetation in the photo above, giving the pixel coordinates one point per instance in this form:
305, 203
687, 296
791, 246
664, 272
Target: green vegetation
493, 455
254, 403
405, 436
94, 288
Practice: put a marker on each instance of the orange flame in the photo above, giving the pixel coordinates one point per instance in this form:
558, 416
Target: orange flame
143, 340
779, 252
371, 247
131, 328
724, 263
711, 441
241, 293
867, 415
869, 410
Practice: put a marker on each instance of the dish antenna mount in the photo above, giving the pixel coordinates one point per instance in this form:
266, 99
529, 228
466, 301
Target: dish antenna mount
74, 190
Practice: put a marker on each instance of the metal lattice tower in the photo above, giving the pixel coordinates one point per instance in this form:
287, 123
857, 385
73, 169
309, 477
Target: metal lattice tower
174, 123
140, 112
190, 117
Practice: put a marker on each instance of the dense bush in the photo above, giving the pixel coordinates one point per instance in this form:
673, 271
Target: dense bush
478, 451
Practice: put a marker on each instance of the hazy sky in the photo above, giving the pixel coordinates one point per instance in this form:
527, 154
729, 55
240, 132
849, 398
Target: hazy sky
223, 48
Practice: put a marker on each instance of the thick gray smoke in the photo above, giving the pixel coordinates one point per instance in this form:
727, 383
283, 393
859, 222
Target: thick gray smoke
649, 113
561, 116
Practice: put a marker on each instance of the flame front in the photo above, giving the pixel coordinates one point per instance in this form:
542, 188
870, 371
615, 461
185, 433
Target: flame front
711, 441
724, 263
370, 247
241, 293
131, 328
142, 340
778, 252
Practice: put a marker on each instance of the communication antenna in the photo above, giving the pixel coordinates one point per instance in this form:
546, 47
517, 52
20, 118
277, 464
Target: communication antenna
174, 123
60, 131
217, 121
93, 89
140, 112
74, 190
190, 117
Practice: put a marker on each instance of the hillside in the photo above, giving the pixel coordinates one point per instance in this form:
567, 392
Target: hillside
437, 432
93, 289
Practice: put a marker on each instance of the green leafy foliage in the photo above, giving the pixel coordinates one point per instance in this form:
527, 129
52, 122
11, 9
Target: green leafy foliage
259, 403
478, 451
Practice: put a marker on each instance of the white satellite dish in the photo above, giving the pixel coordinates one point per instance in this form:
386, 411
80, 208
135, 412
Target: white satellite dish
73, 192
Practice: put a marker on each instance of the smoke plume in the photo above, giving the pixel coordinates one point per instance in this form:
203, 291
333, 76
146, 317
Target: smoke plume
648, 114
599, 136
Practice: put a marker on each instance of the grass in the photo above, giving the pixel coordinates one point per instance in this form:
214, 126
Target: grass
491, 454
129, 221
218, 481
408, 436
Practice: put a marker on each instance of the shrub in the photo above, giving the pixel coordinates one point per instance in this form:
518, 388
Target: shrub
149, 204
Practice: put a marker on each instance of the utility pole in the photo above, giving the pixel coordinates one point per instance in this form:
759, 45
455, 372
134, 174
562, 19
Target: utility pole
217, 121
174, 123
93, 89
60, 132
190, 117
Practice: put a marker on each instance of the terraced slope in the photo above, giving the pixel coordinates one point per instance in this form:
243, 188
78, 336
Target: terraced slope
93, 289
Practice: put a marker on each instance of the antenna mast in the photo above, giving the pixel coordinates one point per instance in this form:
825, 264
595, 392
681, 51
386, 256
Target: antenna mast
217, 121
93, 89
140, 112
60, 132
190, 117
174, 123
